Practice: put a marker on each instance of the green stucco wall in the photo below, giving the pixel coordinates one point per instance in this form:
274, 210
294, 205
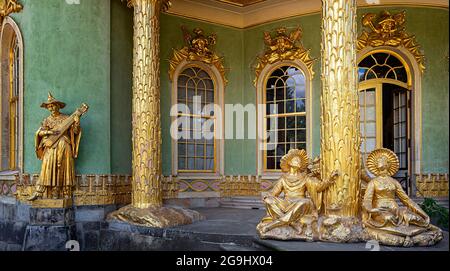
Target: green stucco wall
230, 46
85, 54
121, 85
67, 50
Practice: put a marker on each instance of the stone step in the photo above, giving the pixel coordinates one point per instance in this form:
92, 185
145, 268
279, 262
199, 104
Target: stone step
242, 203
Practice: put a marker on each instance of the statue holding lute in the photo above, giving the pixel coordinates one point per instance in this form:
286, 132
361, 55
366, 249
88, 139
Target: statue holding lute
57, 142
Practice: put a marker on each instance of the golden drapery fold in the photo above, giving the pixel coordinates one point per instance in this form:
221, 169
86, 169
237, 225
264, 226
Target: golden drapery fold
302, 196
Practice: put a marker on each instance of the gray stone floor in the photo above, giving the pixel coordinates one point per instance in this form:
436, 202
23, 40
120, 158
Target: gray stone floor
242, 222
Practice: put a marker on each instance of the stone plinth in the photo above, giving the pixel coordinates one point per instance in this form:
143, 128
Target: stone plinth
50, 228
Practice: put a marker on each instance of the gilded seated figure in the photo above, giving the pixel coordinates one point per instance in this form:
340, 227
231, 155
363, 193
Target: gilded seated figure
295, 215
383, 218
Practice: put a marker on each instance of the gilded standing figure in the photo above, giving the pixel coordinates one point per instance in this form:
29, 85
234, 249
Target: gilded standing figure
56, 143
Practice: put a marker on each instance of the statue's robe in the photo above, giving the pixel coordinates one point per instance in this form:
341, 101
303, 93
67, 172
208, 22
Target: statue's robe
58, 166
302, 197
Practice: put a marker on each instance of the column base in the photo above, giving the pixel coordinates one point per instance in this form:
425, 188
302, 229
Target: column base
156, 217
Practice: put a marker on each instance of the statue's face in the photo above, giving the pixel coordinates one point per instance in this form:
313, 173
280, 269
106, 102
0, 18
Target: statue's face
295, 163
383, 164
53, 108
388, 26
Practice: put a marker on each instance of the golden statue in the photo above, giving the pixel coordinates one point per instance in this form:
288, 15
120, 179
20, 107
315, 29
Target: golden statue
57, 142
383, 219
295, 215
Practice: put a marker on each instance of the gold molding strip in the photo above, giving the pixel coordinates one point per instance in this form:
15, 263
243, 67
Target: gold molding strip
95, 189
389, 30
116, 189
432, 185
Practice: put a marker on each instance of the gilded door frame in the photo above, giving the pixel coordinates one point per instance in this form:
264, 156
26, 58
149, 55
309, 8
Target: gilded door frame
414, 85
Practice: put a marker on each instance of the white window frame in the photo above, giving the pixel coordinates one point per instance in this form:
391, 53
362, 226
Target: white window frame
260, 85
219, 85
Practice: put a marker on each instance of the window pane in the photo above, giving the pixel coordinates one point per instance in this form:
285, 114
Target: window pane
181, 163
290, 106
301, 122
290, 122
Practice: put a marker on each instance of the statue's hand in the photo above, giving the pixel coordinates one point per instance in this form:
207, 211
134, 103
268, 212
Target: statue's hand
76, 119
334, 175
50, 132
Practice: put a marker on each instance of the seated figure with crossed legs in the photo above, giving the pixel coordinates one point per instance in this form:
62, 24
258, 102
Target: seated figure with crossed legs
287, 216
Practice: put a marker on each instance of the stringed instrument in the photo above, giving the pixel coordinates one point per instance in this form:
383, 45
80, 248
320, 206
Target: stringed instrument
65, 125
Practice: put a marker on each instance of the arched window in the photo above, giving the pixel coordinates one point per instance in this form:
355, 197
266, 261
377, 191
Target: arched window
197, 93
284, 118
11, 96
382, 66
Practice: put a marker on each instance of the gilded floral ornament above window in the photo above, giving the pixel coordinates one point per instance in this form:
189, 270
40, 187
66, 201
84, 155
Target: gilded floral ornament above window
284, 47
9, 6
199, 47
389, 30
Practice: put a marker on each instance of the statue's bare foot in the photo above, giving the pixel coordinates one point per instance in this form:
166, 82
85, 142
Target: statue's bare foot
265, 229
298, 228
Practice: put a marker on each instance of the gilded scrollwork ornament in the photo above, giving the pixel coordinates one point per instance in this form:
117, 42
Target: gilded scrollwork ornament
9, 6
388, 29
199, 47
282, 47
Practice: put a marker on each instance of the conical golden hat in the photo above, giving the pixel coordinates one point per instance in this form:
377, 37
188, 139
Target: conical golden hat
52, 100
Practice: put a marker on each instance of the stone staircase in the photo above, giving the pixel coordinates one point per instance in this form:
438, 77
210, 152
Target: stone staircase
256, 203
242, 203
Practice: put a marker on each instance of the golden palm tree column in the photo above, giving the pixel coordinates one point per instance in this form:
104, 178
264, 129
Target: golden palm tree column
340, 133
147, 202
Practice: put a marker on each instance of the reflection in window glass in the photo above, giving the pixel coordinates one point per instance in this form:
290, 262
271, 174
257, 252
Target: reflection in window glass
285, 116
195, 152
